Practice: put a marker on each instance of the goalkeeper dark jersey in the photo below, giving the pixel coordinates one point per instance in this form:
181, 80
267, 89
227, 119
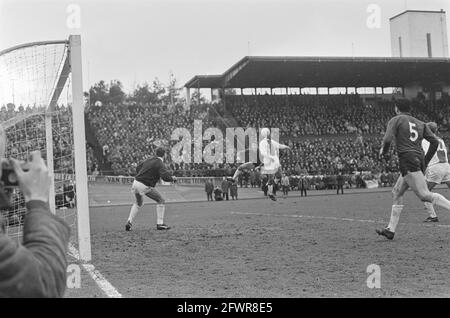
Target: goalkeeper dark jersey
151, 170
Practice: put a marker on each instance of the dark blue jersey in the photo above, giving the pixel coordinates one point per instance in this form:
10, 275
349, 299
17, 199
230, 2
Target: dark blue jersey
408, 132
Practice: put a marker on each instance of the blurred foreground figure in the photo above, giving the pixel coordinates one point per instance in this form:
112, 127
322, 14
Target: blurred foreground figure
37, 267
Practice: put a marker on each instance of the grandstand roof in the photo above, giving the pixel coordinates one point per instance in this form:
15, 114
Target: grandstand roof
276, 71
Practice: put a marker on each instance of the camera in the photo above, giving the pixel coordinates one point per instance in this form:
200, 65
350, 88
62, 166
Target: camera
9, 177
8, 181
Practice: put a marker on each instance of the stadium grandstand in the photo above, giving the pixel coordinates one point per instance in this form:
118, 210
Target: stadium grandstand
331, 111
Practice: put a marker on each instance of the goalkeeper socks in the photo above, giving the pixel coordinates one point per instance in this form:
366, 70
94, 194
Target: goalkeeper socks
440, 200
160, 208
430, 209
134, 211
395, 216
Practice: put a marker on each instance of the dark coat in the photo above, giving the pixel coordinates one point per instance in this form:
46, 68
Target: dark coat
303, 183
225, 186
218, 194
234, 190
37, 268
209, 187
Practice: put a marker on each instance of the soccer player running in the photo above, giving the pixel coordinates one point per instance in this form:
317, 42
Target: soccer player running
148, 174
408, 132
438, 170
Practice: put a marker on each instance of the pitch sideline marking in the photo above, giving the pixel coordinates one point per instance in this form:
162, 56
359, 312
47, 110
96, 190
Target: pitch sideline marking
333, 218
99, 279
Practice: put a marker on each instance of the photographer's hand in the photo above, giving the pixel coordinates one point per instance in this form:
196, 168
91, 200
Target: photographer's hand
38, 266
34, 183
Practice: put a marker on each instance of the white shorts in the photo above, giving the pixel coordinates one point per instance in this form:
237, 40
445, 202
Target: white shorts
270, 166
139, 190
438, 173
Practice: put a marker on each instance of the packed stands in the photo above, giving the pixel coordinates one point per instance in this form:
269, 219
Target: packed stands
28, 133
327, 133
129, 133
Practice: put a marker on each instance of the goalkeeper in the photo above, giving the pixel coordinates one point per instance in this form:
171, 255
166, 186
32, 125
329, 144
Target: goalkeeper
149, 172
37, 267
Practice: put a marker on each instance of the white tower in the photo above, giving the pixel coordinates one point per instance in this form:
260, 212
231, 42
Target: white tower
419, 34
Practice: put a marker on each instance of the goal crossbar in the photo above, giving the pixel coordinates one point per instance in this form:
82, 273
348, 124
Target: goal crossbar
26, 45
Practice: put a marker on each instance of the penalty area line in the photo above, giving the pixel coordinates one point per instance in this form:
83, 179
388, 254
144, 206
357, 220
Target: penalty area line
332, 218
98, 278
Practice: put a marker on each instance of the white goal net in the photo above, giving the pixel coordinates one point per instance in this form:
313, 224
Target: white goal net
42, 108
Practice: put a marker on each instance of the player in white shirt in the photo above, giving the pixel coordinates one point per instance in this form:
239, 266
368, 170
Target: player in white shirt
438, 170
269, 154
267, 160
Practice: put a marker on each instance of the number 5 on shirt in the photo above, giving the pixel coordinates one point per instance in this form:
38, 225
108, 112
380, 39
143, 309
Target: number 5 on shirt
413, 131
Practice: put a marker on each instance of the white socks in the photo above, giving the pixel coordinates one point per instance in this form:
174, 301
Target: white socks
430, 209
437, 199
134, 211
160, 208
395, 216
440, 200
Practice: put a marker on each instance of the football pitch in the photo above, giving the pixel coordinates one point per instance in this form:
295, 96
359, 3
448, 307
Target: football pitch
318, 246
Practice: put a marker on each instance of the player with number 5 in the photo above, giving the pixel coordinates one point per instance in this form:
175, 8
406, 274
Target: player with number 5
408, 132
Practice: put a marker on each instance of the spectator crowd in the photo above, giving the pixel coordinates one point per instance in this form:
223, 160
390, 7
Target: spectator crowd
326, 133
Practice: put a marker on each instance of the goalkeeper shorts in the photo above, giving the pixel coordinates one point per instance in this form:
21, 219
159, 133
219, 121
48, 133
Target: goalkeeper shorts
139, 190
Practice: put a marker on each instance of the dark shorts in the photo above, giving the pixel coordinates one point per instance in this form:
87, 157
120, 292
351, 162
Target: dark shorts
411, 162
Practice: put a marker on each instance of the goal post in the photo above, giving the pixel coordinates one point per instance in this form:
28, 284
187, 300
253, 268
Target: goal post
84, 231
42, 108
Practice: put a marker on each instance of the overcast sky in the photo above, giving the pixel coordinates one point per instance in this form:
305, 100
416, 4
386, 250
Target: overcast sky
136, 40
